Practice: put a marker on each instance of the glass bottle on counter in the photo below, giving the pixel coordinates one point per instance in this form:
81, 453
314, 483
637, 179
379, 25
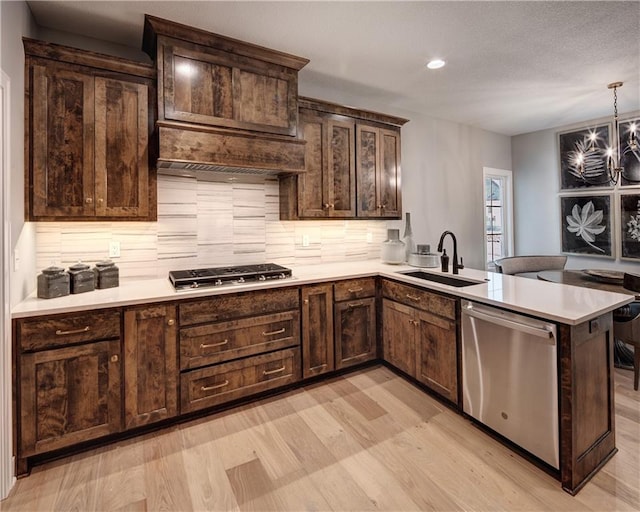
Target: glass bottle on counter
408, 237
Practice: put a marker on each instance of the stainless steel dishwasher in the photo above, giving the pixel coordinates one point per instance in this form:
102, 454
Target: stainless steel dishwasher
510, 377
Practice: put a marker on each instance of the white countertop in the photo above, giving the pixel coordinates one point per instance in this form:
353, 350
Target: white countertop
566, 304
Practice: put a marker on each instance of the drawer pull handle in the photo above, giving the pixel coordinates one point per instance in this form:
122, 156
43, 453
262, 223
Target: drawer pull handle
354, 290
217, 386
355, 305
413, 297
60, 332
279, 331
211, 345
271, 372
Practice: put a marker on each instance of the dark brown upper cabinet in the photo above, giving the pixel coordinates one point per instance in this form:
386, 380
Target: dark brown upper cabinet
327, 188
378, 172
224, 103
219, 88
352, 165
89, 118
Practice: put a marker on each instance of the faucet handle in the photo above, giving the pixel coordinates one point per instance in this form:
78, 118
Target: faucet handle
461, 265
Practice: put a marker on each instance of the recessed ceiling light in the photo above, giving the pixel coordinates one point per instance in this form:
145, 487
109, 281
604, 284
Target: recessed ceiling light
436, 64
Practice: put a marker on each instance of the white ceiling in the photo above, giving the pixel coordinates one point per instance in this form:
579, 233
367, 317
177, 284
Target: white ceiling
512, 67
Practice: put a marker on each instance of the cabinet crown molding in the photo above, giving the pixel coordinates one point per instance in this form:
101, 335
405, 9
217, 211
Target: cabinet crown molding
154, 27
357, 113
61, 53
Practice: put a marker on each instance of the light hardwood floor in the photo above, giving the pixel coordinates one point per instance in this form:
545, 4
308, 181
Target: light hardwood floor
365, 441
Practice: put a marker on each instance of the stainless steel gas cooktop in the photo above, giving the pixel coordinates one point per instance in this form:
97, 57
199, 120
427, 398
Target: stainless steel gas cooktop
218, 276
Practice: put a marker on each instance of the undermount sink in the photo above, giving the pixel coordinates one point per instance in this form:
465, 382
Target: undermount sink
458, 282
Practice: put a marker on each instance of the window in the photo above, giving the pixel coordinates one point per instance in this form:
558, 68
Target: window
498, 206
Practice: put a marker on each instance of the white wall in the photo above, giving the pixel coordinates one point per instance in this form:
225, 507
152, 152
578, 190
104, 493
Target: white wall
17, 22
536, 178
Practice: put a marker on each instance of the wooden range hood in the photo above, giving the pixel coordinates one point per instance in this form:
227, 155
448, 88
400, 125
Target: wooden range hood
224, 106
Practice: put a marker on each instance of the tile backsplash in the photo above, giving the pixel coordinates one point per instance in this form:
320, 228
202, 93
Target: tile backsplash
204, 223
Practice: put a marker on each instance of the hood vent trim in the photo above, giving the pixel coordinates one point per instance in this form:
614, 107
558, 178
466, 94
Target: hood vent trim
190, 149
222, 169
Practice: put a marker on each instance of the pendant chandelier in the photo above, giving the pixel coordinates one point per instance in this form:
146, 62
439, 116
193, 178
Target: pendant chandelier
624, 148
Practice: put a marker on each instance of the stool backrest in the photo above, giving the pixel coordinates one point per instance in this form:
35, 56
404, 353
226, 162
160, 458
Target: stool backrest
518, 264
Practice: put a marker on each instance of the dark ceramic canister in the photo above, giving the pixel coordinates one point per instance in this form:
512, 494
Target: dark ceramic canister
107, 275
82, 278
53, 282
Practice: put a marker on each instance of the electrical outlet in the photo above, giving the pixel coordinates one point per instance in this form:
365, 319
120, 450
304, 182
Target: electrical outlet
305, 240
369, 237
114, 249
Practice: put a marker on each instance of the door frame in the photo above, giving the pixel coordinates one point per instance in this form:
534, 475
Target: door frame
7, 473
508, 229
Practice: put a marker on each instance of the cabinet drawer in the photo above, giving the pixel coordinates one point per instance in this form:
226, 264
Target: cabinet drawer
228, 381
354, 289
228, 307
213, 343
57, 331
421, 299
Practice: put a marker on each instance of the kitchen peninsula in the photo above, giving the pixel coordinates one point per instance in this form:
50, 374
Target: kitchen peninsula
195, 350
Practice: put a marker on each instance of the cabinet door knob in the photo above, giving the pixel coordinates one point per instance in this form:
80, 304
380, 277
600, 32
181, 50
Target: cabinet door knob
171, 321
326, 206
114, 358
89, 200
306, 301
100, 200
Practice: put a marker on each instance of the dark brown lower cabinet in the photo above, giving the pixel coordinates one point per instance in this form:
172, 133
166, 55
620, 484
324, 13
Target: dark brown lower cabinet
317, 330
436, 354
419, 336
150, 364
68, 395
355, 331
398, 336
587, 408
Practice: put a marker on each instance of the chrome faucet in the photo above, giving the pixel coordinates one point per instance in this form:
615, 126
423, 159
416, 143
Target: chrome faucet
456, 266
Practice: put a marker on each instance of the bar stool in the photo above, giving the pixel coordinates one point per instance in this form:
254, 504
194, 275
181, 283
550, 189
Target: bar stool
626, 327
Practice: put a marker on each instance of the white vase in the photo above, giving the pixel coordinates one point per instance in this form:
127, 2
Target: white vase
393, 249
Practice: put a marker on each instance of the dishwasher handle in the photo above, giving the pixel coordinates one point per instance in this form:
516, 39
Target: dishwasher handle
511, 324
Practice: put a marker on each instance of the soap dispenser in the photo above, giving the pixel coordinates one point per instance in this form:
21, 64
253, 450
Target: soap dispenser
444, 260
